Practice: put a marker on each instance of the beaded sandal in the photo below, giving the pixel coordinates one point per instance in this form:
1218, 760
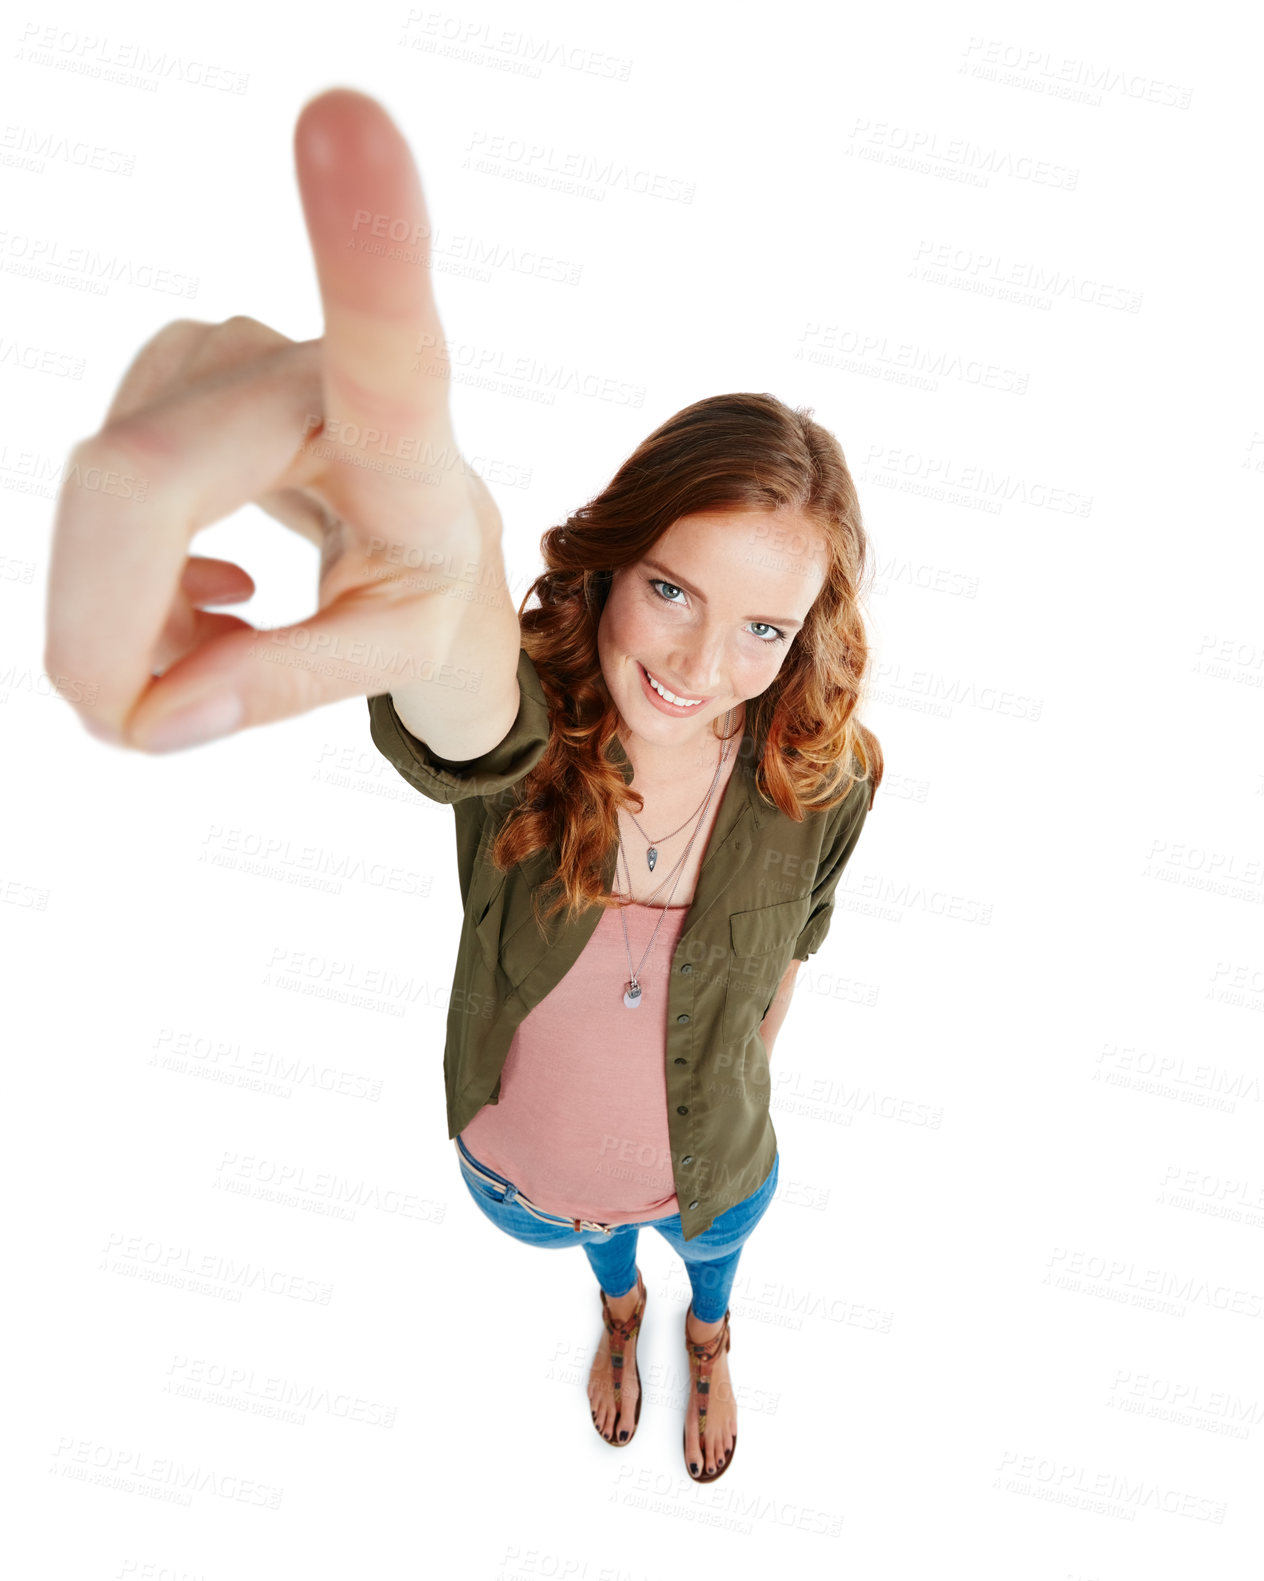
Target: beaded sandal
621, 1332
702, 1360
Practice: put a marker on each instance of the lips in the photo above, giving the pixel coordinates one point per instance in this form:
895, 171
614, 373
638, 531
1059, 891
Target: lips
693, 705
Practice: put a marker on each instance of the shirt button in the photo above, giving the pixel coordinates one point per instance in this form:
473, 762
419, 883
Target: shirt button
681, 1109
687, 1159
686, 967
679, 1061
682, 1019
693, 1204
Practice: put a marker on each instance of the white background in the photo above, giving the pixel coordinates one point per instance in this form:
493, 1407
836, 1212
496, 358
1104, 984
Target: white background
1006, 1315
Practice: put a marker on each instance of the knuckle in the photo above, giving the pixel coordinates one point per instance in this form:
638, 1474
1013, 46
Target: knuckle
164, 352
179, 330
242, 329
158, 364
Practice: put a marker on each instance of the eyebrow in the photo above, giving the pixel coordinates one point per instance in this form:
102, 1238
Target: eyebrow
670, 575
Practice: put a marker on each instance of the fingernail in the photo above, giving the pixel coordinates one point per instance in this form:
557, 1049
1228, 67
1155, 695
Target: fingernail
209, 717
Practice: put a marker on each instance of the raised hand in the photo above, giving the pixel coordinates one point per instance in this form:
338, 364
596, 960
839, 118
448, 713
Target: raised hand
209, 417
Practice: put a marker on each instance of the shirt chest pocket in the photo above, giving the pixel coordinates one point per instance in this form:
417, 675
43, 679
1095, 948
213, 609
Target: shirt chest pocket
761, 942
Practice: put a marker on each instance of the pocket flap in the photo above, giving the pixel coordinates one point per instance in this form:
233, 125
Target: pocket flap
767, 928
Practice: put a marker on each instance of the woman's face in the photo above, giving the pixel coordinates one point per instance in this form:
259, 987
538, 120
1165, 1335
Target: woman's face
710, 612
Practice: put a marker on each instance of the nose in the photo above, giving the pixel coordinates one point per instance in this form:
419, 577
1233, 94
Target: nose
698, 667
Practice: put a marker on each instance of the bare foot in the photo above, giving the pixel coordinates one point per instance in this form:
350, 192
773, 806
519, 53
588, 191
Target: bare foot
613, 1423
721, 1406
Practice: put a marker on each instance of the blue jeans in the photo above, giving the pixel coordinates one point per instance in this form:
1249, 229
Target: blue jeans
710, 1258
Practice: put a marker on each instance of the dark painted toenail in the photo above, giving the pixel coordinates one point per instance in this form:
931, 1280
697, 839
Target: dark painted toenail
623, 1434
693, 1466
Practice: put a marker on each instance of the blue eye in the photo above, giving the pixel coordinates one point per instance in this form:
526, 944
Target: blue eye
657, 581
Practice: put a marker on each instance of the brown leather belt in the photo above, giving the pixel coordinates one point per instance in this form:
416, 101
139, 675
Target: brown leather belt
549, 1218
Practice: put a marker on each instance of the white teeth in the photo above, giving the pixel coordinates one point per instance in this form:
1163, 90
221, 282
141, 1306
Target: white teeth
680, 702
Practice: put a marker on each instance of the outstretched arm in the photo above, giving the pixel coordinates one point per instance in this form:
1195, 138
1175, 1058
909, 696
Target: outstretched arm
348, 440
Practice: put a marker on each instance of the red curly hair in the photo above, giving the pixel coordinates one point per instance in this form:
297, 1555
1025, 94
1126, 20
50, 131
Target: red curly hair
734, 452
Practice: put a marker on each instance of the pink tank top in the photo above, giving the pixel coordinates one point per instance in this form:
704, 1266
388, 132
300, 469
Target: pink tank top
581, 1123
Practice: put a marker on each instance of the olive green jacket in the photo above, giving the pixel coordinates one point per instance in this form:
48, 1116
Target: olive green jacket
764, 896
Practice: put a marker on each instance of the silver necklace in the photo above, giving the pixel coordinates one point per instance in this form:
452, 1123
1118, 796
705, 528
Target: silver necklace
632, 988
651, 856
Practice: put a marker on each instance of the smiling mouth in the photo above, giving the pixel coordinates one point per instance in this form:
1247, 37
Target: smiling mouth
683, 703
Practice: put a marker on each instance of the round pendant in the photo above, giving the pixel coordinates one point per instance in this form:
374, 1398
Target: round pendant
632, 996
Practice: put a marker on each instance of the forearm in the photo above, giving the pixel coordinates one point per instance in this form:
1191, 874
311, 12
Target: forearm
465, 656
771, 1024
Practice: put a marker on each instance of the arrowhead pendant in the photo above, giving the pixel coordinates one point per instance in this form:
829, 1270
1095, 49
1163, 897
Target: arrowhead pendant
651, 856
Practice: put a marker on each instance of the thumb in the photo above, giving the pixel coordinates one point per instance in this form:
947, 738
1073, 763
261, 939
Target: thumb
249, 677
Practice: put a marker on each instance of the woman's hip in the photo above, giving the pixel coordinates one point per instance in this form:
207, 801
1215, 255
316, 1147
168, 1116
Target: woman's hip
501, 1202
507, 1208
729, 1230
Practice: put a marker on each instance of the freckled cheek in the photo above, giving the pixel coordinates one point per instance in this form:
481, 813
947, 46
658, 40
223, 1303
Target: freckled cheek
635, 633
756, 678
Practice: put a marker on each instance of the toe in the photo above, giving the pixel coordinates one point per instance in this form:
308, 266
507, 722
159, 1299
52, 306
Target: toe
601, 1399
693, 1452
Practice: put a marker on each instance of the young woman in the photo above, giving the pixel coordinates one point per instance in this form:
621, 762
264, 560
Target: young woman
658, 774
698, 624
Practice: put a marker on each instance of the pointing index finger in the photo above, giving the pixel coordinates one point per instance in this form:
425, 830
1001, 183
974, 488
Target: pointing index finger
370, 236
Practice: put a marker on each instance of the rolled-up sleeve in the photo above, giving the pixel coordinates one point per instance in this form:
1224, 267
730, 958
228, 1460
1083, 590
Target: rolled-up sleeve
497, 770
850, 820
